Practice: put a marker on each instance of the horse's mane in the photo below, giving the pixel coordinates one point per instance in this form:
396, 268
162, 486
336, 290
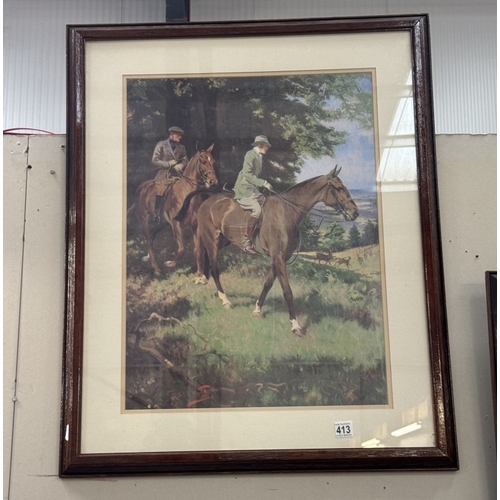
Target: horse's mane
191, 164
307, 181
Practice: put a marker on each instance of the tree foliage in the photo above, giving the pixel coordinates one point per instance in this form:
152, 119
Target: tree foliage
296, 112
370, 234
334, 238
310, 234
354, 237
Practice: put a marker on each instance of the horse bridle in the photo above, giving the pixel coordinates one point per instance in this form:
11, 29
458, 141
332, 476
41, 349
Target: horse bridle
202, 173
340, 211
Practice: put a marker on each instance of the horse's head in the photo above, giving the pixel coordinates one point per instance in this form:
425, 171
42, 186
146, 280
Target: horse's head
338, 197
204, 168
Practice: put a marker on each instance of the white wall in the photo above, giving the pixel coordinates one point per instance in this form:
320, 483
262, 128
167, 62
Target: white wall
35, 52
463, 45
34, 202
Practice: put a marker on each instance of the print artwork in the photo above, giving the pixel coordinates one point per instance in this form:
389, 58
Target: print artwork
253, 263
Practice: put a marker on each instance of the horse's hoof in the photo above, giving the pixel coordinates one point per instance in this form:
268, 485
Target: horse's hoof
298, 332
257, 314
170, 263
228, 305
200, 281
296, 328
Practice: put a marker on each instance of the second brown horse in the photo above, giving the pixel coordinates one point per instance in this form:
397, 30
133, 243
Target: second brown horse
199, 173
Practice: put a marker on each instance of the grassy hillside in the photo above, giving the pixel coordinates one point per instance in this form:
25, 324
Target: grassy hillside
185, 350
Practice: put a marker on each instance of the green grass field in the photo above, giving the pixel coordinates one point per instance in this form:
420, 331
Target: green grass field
196, 353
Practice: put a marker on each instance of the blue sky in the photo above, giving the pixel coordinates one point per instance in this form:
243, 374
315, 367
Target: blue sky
356, 156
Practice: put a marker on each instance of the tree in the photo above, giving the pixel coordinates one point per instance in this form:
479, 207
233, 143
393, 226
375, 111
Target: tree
334, 238
354, 237
309, 234
370, 234
296, 112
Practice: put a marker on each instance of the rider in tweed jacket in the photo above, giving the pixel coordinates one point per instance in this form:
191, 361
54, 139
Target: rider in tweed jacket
170, 158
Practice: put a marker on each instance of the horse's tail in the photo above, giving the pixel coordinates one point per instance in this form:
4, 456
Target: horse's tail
187, 201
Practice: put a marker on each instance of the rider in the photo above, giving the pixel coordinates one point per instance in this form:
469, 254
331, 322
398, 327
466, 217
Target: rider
246, 191
170, 158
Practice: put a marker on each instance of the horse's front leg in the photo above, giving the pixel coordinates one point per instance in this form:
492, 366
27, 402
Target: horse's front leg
271, 276
177, 230
281, 273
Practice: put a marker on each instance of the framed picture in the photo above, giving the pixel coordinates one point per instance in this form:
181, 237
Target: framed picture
254, 272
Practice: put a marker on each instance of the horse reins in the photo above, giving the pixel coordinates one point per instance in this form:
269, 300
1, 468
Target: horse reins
304, 209
316, 211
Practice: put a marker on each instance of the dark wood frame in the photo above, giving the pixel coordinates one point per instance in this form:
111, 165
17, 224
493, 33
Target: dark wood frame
443, 456
491, 305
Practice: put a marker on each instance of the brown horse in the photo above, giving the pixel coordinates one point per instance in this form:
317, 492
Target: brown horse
199, 173
222, 221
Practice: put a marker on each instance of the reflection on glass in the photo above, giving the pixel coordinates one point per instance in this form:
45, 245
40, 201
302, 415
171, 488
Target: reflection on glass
407, 429
398, 159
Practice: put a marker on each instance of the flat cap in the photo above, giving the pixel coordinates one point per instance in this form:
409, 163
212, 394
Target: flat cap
176, 130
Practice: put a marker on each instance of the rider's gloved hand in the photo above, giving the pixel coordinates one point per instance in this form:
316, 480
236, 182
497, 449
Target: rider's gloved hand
267, 186
172, 163
178, 167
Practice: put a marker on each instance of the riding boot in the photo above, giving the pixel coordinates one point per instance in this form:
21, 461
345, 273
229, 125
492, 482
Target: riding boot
247, 244
156, 216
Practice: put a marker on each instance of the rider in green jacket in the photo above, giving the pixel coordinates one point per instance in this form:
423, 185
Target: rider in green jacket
246, 188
